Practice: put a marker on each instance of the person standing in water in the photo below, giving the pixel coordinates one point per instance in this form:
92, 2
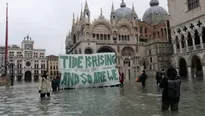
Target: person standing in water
122, 79
44, 85
143, 78
54, 84
171, 84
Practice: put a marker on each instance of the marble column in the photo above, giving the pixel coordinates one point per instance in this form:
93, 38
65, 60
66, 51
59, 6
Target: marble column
175, 48
187, 46
201, 41
193, 41
180, 46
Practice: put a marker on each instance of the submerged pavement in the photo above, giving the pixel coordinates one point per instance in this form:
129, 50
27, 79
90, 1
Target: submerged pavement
23, 100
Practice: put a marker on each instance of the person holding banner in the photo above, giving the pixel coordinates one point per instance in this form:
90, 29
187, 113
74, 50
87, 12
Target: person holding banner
55, 84
45, 85
122, 79
59, 80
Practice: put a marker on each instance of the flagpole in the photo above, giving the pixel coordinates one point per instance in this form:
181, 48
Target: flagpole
6, 40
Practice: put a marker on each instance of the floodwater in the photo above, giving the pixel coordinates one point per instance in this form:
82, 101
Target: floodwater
132, 100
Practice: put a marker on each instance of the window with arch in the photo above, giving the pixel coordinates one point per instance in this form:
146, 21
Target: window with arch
162, 32
192, 4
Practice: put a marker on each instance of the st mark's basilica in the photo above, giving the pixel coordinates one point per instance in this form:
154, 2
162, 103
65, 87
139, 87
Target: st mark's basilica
138, 44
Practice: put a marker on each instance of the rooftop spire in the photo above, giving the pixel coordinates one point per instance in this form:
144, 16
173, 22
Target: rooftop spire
154, 3
86, 6
133, 9
77, 19
101, 12
81, 13
123, 4
112, 9
73, 18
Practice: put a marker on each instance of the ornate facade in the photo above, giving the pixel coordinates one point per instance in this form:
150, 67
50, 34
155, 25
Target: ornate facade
188, 36
136, 43
29, 63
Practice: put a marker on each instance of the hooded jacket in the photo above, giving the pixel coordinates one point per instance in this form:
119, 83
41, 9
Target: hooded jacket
45, 85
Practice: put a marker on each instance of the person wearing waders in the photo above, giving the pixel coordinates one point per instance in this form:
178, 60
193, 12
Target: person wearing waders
171, 93
143, 78
158, 77
55, 84
122, 79
44, 85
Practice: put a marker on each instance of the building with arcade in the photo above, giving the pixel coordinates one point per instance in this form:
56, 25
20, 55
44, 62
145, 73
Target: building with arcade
188, 36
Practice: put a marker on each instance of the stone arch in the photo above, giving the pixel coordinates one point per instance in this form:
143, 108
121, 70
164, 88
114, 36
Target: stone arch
124, 30
28, 76
196, 38
191, 57
126, 65
128, 51
88, 51
196, 65
182, 67
97, 26
74, 39
105, 49
190, 42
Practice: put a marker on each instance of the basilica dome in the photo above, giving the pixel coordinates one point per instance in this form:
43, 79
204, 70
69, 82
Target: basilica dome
124, 12
155, 14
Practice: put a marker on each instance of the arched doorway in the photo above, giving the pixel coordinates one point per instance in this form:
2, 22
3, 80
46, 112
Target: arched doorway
128, 53
28, 76
127, 64
36, 78
190, 42
196, 66
88, 51
182, 67
19, 78
105, 49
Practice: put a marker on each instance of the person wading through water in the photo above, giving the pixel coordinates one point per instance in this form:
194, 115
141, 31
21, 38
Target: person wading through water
55, 84
171, 93
143, 78
45, 85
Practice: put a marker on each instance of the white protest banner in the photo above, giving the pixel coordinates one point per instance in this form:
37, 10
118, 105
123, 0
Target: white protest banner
83, 70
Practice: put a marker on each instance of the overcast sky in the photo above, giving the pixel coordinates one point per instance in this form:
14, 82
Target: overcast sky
48, 21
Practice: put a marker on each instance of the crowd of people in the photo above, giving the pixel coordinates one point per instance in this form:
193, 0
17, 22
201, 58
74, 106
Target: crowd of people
169, 81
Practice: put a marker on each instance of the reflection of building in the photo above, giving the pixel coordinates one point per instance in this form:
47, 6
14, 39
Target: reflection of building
52, 66
188, 36
29, 62
2, 58
125, 35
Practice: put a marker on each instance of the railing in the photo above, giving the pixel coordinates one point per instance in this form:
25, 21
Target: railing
198, 47
204, 46
184, 50
191, 48
178, 51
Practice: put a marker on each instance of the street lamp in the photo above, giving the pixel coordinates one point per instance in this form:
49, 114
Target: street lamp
11, 67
